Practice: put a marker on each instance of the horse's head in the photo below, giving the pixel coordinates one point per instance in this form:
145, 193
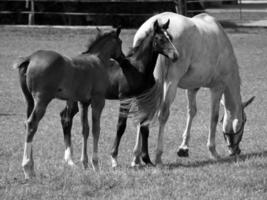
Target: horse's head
116, 43
108, 43
234, 137
162, 42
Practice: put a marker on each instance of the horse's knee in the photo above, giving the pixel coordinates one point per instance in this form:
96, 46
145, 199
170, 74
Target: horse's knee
31, 127
192, 111
164, 114
65, 118
121, 126
215, 118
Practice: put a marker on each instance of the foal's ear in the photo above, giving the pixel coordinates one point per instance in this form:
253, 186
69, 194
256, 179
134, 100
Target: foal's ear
118, 31
166, 25
156, 26
246, 103
99, 31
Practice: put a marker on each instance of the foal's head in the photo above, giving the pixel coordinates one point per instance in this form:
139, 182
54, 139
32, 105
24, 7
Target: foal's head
156, 40
108, 43
234, 136
162, 42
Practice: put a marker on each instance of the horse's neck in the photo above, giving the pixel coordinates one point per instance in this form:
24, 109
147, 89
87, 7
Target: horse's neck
232, 100
103, 52
145, 59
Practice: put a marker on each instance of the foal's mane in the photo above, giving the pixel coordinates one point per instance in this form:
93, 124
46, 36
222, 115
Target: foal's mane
94, 40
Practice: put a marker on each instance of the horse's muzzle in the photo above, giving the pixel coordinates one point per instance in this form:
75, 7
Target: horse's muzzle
234, 151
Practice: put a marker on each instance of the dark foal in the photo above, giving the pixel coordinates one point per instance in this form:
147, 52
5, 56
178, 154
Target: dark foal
128, 77
46, 75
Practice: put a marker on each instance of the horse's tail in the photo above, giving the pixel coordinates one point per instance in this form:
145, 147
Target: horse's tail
147, 106
144, 107
22, 66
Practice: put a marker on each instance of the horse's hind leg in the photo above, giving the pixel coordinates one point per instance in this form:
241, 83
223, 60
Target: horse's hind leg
141, 146
191, 112
85, 132
31, 128
97, 107
66, 116
137, 148
216, 94
121, 125
26, 92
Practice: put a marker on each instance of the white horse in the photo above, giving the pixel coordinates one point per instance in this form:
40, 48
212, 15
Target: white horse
206, 59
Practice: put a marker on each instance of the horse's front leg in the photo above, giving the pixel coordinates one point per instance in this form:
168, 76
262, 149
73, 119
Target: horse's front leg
98, 103
141, 146
85, 132
66, 116
168, 97
191, 112
216, 94
121, 125
144, 138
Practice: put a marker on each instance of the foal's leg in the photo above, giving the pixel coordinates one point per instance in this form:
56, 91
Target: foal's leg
191, 112
31, 128
216, 94
85, 132
141, 146
145, 155
170, 92
98, 104
121, 125
66, 116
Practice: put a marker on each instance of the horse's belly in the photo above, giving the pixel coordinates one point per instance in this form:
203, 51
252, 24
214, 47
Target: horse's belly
196, 79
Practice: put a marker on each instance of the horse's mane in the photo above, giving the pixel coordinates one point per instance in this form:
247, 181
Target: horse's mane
93, 40
138, 44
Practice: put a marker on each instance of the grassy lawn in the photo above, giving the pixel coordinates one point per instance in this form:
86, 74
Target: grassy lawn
196, 177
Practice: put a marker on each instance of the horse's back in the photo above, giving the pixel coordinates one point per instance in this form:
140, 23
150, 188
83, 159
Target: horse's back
206, 54
178, 24
46, 68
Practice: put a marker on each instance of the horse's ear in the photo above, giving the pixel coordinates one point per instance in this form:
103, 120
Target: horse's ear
118, 31
156, 26
246, 103
166, 25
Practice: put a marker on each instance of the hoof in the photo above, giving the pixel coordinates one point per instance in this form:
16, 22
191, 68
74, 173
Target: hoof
28, 171
136, 162
70, 163
183, 152
114, 162
85, 164
215, 156
158, 161
147, 161
95, 165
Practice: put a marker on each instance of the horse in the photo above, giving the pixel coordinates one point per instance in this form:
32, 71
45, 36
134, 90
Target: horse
129, 76
45, 75
206, 59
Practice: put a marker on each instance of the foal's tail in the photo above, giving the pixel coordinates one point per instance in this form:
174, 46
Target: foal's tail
22, 66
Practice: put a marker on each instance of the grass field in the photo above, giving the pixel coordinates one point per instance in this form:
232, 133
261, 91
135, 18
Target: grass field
196, 177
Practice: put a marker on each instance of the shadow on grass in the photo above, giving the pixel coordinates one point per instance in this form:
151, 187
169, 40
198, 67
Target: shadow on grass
9, 114
241, 158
